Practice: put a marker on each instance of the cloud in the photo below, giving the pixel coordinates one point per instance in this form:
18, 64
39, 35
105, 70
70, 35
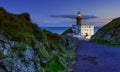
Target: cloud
84, 17
38, 20
63, 16
101, 20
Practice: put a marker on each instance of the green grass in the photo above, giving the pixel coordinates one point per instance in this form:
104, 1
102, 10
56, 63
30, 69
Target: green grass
23, 48
43, 53
106, 43
19, 28
56, 64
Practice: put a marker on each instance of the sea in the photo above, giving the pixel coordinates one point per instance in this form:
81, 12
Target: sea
60, 30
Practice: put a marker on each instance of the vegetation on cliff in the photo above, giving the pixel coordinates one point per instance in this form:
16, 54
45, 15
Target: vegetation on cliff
23, 37
19, 27
109, 34
67, 31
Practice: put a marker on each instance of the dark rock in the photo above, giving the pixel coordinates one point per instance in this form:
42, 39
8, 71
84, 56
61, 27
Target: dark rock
2, 38
12, 62
71, 42
28, 54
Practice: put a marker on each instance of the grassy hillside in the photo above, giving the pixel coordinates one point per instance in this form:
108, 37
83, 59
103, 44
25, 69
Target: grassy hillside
67, 31
19, 27
109, 34
50, 47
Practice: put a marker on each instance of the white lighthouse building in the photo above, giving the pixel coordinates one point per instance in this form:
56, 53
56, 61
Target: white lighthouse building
83, 30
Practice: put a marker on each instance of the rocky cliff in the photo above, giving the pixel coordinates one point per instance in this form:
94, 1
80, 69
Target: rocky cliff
24, 47
17, 57
109, 33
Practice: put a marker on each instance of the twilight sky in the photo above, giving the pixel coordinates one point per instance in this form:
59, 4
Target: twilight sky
63, 12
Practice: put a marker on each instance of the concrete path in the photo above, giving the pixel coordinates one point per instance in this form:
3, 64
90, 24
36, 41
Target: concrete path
97, 58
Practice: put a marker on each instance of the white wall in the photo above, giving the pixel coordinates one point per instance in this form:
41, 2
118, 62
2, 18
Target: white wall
89, 29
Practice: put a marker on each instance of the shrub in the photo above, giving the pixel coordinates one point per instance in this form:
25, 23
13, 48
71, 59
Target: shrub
105, 42
23, 48
43, 53
55, 65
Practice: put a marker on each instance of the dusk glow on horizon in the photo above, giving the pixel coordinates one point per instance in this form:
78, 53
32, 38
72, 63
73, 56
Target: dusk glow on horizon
61, 13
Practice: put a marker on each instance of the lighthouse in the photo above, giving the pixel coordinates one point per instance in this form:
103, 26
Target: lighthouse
82, 30
79, 19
